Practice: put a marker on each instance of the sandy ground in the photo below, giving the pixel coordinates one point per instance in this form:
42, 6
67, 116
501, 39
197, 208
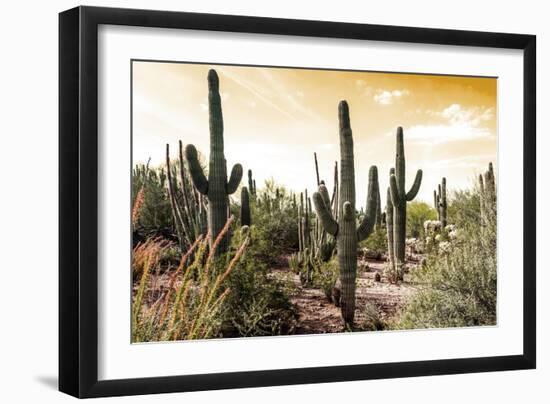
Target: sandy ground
317, 315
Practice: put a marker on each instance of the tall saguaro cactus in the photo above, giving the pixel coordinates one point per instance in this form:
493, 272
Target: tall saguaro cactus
488, 196
389, 229
378, 217
251, 184
216, 188
245, 207
345, 229
399, 198
440, 202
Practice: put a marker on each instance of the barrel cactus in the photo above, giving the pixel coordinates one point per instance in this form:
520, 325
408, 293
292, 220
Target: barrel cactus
216, 187
399, 198
345, 229
440, 202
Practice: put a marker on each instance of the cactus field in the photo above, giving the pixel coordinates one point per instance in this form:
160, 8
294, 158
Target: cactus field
279, 201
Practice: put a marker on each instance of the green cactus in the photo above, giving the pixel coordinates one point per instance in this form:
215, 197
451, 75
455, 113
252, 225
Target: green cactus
389, 231
216, 188
316, 168
345, 229
251, 183
440, 202
245, 208
378, 219
399, 198
188, 206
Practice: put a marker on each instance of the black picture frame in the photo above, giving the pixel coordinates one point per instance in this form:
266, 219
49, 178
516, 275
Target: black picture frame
78, 201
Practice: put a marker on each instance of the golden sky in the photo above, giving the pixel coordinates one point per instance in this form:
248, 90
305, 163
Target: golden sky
275, 118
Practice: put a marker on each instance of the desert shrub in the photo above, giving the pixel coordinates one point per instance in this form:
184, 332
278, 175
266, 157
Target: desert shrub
325, 276
295, 262
193, 304
377, 243
150, 197
275, 220
257, 303
458, 283
417, 214
371, 319
463, 208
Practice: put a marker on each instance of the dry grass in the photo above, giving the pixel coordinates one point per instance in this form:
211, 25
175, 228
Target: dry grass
138, 205
191, 306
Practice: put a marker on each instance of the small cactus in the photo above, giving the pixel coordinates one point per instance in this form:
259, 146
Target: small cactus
345, 229
399, 198
216, 188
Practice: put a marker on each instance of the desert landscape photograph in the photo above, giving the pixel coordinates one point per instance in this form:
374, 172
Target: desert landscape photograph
271, 201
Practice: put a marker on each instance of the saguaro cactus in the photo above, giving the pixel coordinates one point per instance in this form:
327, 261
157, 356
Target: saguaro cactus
440, 202
378, 218
399, 198
345, 229
251, 183
245, 207
488, 196
389, 230
216, 187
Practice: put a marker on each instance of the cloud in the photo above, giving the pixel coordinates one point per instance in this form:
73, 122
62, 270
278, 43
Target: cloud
473, 116
386, 97
458, 123
445, 133
363, 88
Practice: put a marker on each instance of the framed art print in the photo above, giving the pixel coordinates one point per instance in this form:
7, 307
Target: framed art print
250, 201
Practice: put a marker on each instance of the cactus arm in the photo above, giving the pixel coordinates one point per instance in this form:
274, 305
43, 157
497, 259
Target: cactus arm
367, 224
394, 191
325, 216
326, 198
234, 179
348, 211
416, 186
197, 174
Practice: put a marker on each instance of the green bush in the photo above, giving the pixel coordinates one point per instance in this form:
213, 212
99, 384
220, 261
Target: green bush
372, 321
325, 275
155, 216
257, 303
275, 221
458, 283
417, 214
377, 242
464, 208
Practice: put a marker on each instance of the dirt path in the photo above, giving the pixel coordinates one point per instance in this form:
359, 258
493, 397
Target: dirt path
317, 315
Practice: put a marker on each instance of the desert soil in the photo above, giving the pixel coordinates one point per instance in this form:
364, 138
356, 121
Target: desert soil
317, 315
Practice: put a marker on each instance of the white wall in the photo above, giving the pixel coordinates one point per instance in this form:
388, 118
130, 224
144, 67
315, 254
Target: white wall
28, 199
